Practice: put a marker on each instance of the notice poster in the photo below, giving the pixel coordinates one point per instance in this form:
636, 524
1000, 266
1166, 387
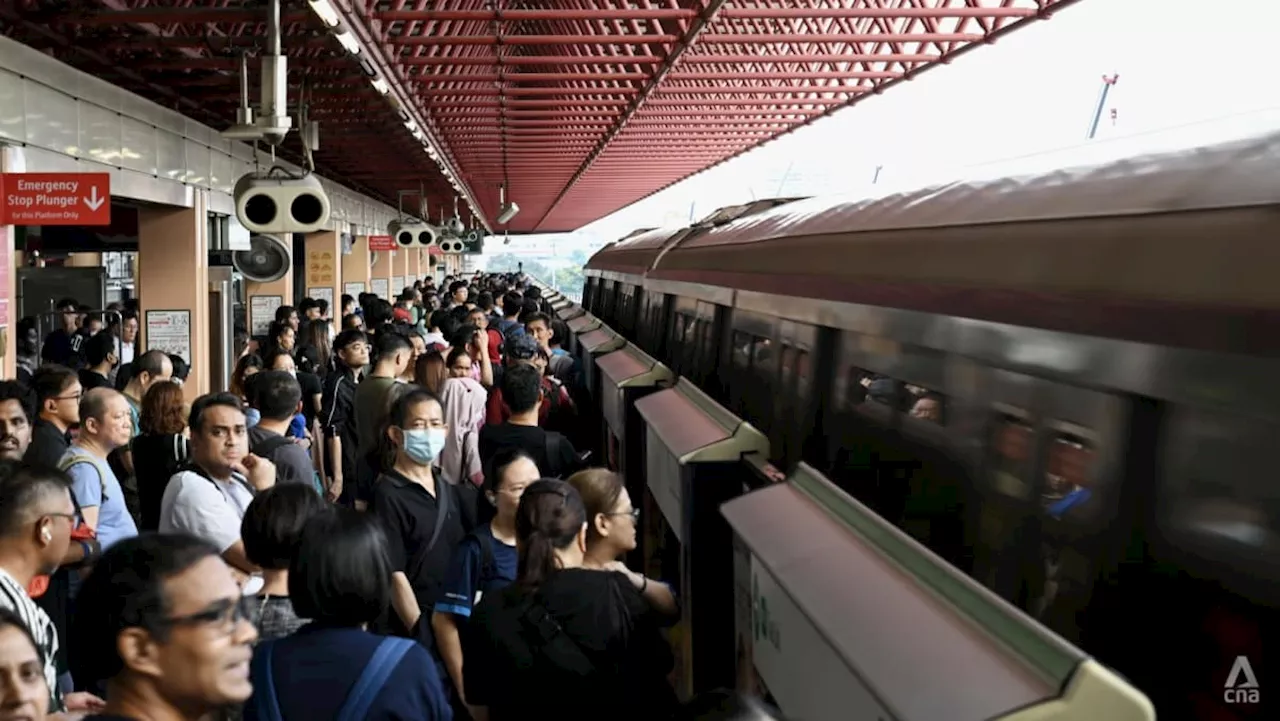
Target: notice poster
325, 294
380, 286
322, 268
262, 311
353, 289
397, 285
170, 331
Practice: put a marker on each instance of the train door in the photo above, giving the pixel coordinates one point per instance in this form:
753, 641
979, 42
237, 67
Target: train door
1003, 504
1212, 597
754, 349
861, 419
1082, 449
798, 346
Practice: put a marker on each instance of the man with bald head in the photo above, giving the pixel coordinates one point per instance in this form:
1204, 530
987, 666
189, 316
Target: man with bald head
105, 425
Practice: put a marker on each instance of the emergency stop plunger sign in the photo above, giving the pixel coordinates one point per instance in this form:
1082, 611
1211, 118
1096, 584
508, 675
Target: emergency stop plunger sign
55, 199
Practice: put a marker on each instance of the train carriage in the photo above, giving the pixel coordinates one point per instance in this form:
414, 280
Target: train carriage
1065, 384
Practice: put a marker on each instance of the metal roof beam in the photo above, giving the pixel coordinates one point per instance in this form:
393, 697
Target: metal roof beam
181, 15
781, 13
580, 60
629, 39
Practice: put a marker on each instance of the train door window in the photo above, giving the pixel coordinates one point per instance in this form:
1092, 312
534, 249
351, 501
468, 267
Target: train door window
1012, 450
923, 405
1069, 491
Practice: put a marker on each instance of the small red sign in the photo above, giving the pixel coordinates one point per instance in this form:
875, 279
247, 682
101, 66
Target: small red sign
55, 199
382, 242
434, 250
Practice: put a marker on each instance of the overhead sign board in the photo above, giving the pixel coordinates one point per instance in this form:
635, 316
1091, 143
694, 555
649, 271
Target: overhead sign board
55, 199
382, 242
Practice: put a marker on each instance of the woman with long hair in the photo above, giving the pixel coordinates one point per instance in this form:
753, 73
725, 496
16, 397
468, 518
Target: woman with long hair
161, 449
429, 371
315, 348
565, 640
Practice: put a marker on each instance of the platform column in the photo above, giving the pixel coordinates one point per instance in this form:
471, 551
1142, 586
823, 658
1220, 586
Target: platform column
270, 296
400, 270
173, 275
380, 275
355, 270
414, 269
324, 262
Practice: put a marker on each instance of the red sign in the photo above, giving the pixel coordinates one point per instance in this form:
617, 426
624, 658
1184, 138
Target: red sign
6, 257
434, 249
382, 242
55, 199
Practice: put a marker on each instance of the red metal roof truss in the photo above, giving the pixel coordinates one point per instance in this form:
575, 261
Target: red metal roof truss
577, 107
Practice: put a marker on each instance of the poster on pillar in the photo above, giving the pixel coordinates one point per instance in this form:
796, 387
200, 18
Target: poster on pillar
353, 289
380, 286
322, 269
397, 285
170, 331
262, 311
324, 293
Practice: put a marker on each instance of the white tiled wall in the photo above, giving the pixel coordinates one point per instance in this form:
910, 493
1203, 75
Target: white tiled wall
70, 121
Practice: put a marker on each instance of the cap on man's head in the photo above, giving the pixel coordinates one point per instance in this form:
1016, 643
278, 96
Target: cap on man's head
522, 347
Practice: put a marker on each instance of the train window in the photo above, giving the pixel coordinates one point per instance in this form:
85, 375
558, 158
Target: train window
863, 386
680, 324
923, 404
1011, 450
741, 350
1068, 482
1219, 491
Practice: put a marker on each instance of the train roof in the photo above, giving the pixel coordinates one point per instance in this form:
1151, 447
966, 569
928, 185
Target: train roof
637, 252
1193, 225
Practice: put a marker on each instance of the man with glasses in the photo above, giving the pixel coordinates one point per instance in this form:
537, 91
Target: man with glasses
61, 344
338, 414
58, 393
36, 518
162, 622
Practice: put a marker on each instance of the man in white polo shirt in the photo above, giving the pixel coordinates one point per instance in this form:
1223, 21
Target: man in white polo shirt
208, 498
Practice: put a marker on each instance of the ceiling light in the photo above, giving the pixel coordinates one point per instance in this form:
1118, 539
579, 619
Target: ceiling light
412, 126
431, 152
348, 42
325, 10
381, 86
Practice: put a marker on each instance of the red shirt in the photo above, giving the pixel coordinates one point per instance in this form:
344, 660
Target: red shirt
496, 410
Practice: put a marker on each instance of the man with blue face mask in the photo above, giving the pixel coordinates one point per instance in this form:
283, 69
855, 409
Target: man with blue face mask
424, 516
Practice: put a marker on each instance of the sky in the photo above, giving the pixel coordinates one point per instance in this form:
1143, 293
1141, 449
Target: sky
1186, 76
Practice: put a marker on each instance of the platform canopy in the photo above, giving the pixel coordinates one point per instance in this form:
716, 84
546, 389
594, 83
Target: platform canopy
576, 107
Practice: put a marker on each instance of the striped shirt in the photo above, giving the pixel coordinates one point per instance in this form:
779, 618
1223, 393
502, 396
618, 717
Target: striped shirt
14, 597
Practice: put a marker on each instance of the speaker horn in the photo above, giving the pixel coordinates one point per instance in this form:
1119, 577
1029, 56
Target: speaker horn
266, 260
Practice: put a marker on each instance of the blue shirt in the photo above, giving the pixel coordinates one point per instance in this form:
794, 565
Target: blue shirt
315, 669
468, 577
89, 480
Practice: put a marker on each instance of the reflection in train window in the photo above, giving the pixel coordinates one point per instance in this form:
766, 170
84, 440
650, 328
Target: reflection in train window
680, 324
863, 386
1011, 446
1068, 484
741, 350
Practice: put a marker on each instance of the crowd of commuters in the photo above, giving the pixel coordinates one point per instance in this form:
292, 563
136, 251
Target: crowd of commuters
385, 516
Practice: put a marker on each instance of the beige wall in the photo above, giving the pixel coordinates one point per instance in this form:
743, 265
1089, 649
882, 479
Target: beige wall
356, 268
281, 289
381, 271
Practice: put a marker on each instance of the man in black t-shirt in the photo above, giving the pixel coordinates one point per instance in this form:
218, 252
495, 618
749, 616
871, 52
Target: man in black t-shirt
61, 346
522, 392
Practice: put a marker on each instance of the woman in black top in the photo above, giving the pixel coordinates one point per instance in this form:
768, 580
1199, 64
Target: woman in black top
160, 449
565, 641
314, 348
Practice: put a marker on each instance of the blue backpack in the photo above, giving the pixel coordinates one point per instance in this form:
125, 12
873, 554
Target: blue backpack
385, 659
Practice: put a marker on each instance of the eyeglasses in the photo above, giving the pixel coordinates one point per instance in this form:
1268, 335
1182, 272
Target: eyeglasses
75, 518
634, 513
224, 614
72, 397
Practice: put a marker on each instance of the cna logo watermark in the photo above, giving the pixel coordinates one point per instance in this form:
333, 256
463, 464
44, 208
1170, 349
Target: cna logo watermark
1242, 685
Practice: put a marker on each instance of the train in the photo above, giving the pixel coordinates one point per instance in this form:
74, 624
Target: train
1065, 386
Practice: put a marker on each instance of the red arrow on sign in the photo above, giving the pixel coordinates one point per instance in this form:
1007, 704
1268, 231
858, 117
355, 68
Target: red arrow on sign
55, 199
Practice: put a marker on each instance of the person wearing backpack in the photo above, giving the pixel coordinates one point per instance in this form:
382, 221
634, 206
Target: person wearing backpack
485, 560
278, 397
332, 668
105, 425
565, 641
